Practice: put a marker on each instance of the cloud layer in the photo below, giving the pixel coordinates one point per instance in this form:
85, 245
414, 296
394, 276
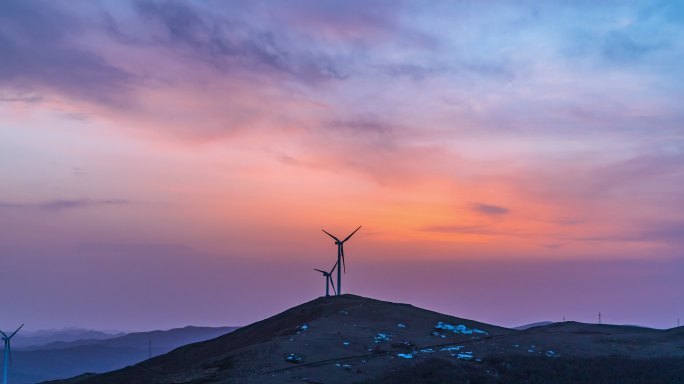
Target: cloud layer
455, 131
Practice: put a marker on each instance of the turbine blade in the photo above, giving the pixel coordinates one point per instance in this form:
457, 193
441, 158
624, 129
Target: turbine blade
327, 233
323, 272
344, 265
15, 332
331, 283
352, 234
333, 268
3, 334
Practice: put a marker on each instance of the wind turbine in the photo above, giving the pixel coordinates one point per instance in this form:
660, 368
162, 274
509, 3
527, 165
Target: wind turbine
340, 257
328, 280
8, 353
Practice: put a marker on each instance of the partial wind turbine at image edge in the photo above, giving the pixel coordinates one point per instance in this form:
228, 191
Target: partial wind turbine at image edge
340, 257
8, 353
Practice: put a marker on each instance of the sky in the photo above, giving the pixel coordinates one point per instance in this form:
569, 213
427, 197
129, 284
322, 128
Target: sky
165, 163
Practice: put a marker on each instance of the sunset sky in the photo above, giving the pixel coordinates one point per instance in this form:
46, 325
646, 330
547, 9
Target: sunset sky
165, 163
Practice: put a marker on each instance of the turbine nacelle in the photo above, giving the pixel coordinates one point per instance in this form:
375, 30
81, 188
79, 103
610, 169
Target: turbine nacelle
7, 338
328, 280
326, 274
8, 352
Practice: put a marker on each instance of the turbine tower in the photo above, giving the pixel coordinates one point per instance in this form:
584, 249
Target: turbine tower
8, 353
340, 257
328, 280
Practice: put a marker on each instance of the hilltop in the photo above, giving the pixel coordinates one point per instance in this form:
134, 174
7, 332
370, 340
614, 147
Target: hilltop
349, 339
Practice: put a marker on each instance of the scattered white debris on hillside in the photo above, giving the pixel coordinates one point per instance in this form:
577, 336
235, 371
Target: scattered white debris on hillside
451, 348
461, 329
550, 353
401, 325
380, 337
462, 355
292, 358
345, 343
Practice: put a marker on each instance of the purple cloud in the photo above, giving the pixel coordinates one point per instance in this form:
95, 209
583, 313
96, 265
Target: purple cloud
38, 55
489, 210
666, 232
481, 229
64, 204
636, 170
136, 250
227, 44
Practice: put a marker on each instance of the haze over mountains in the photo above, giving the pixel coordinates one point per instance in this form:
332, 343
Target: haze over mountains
352, 339
66, 353
42, 337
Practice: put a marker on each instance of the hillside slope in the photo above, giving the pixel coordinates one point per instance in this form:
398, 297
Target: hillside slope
350, 339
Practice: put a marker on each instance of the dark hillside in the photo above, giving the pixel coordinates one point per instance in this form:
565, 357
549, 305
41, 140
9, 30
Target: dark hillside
352, 339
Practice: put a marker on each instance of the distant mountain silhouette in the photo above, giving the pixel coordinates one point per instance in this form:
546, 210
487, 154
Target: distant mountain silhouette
28, 339
161, 340
63, 359
351, 339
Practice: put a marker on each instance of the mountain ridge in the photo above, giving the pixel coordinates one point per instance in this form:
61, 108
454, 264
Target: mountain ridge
167, 337
348, 338
66, 359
